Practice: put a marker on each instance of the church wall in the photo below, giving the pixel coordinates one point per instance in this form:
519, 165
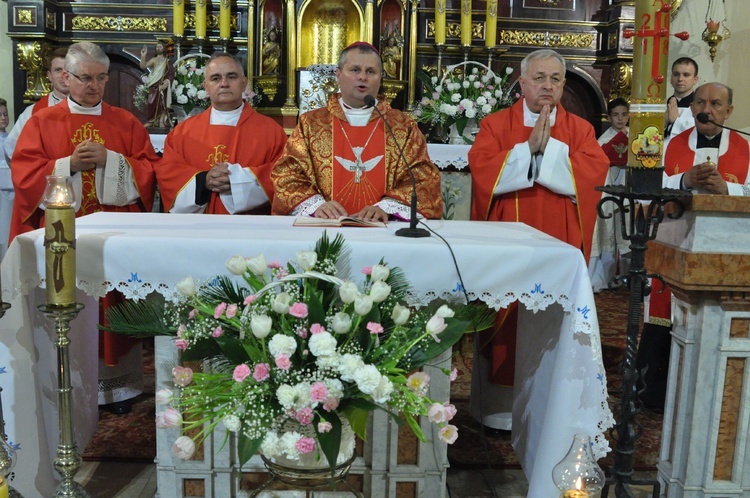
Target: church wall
6, 61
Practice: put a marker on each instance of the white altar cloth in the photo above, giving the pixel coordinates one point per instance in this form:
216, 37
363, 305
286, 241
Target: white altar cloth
561, 390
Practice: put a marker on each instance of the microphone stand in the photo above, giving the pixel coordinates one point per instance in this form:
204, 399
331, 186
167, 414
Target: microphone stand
702, 117
412, 231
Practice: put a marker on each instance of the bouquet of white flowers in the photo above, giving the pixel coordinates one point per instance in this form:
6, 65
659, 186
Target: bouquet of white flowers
293, 355
463, 94
187, 89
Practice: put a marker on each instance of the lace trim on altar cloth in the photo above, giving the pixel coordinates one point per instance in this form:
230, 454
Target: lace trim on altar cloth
457, 162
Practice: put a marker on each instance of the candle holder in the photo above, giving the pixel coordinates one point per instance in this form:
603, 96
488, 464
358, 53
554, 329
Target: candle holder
178, 44
490, 53
225, 44
199, 41
68, 460
466, 49
440, 49
639, 227
578, 475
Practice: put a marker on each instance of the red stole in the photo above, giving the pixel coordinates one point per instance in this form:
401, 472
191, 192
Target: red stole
732, 164
82, 128
353, 195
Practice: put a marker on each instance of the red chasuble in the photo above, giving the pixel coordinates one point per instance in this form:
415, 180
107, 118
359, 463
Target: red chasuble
732, 164
537, 206
358, 164
195, 146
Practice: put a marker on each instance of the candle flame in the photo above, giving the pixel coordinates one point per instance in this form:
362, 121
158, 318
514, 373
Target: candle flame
579, 483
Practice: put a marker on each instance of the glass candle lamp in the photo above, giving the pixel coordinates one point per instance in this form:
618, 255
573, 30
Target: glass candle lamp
578, 475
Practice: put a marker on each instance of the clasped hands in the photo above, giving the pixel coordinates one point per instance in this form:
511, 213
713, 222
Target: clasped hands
334, 210
88, 155
705, 176
541, 132
217, 179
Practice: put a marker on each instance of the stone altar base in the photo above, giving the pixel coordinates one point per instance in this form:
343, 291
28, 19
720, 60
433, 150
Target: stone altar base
705, 259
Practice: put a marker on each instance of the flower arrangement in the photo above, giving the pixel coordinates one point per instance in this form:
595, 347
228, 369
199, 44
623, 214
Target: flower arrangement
293, 355
460, 96
187, 88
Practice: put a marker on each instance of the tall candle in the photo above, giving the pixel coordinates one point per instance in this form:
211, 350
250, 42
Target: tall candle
178, 17
59, 242
200, 19
490, 30
225, 17
465, 22
440, 22
3, 488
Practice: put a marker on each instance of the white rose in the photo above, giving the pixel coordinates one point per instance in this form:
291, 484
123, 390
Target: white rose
367, 378
481, 100
191, 91
232, 423
379, 292
400, 314
350, 364
382, 392
257, 264
201, 95
183, 448
467, 103
261, 325
379, 272
322, 344
471, 113
348, 292
270, 445
282, 344
236, 265
341, 323
330, 362
486, 108
182, 99
362, 305
445, 311
186, 287
306, 259
281, 303
286, 395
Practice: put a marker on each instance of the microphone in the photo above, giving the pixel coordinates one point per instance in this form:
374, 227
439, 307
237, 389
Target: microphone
702, 117
412, 231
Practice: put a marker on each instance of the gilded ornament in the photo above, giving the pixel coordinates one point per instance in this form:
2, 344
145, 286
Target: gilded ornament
119, 23
30, 57
620, 81
553, 3
453, 30
24, 16
547, 39
50, 20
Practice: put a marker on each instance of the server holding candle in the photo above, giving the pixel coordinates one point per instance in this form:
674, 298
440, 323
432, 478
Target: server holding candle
108, 155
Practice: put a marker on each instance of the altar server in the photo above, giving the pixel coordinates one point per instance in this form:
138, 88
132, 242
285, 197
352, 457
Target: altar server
342, 160
538, 164
220, 161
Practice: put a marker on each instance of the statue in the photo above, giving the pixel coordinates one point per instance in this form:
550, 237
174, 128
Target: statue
391, 53
157, 84
271, 51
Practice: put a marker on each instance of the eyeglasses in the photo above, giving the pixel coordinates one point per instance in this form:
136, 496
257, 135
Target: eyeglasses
87, 80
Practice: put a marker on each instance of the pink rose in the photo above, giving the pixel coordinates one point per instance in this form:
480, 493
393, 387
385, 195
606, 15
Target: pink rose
305, 445
283, 362
318, 392
374, 328
305, 416
218, 332
367, 270
261, 372
231, 310
249, 299
240, 372
182, 376
181, 344
219, 310
317, 328
298, 310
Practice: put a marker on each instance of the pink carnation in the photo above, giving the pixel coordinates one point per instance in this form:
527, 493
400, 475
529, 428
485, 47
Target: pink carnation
231, 310
330, 404
367, 270
181, 330
240, 372
182, 376
375, 328
193, 313
305, 416
260, 373
249, 299
283, 362
219, 310
317, 328
218, 332
318, 392
275, 265
302, 332
305, 445
181, 344
324, 427
298, 310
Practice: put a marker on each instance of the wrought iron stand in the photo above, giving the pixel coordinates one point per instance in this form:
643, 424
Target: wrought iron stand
639, 223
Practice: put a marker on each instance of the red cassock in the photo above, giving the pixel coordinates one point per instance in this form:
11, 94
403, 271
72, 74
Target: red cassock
195, 145
617, 150
52, 134
537, 206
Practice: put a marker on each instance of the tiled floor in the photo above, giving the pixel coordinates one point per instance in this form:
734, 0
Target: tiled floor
138, 480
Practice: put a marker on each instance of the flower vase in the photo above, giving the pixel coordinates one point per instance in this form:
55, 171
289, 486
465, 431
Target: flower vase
470, 131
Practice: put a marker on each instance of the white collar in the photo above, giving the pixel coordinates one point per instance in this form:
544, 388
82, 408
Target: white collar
357, 117
76, 108
226, 118
529, 118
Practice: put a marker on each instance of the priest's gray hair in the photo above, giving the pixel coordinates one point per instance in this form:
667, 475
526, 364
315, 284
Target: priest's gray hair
219, 55
85, 52
543, 53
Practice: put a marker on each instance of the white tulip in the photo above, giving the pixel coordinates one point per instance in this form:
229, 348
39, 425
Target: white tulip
183, 448
400, 314
257, 264
261, 325
341, 323
348, 292
379, 272
186, 286
164, 396
307, 259
445, 311
281, 303
237, 265
363, 305
435, 326
379, 291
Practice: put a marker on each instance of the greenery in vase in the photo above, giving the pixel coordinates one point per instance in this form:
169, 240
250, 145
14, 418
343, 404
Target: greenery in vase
295, 342
463, 93
187, 89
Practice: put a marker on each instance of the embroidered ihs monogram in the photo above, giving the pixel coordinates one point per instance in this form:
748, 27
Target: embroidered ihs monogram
86, 132
218, 156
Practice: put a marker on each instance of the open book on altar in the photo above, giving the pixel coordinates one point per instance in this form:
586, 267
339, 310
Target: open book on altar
341, 221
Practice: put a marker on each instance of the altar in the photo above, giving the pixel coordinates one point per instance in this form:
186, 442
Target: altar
561, 390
